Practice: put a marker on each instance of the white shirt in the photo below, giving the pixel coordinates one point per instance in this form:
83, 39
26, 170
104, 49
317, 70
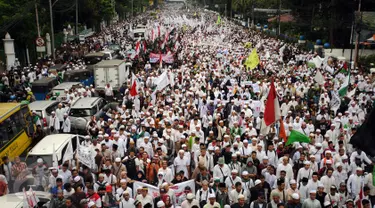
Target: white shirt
288, 169
181, 164
303, 173
66, 125
127, 204
221, 172
65, 176
229, 182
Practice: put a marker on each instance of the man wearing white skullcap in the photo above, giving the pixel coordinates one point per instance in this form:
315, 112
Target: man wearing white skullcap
354, 182
126, 200
311, 202
304, 172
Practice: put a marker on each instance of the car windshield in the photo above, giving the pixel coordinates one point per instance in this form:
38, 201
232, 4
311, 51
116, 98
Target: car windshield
81, 112
31, 159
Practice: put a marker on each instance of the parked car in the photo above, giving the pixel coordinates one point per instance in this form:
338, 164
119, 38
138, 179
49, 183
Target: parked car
83, 109
60, 89
43, 109
42, 87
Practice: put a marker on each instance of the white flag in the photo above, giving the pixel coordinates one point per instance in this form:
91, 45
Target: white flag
264, 129
171, 80
162, 81
33, 198
335, 101
69, 152
329, 69
319, 78
55, 160
351, 93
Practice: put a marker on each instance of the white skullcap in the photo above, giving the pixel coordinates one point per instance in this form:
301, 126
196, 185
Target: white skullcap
295, 196
160, 204
211, 196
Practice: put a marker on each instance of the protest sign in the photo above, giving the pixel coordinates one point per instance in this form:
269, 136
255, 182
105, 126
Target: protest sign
152, 190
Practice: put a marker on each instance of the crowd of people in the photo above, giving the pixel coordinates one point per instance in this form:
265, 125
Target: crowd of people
207, 125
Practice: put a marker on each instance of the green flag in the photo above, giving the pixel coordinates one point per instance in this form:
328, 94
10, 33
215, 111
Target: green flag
345, 85
218, 22
296, 136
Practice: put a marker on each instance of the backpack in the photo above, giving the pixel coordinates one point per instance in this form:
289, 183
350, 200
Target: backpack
204, 202
101, 185
130, 164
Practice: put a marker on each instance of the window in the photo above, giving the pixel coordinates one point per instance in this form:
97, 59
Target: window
82, 112
39, 89
11, 127
51, 108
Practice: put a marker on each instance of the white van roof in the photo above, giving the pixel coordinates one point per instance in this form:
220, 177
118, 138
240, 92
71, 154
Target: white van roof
45, 146
65, 85
15, 200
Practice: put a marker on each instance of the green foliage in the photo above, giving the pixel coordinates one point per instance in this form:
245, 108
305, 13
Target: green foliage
368, 61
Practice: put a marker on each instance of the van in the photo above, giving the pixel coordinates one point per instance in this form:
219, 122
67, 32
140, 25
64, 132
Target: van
94, 58
85, 76
43, 86
109, 54
113, 72
60, 89
43, 109
44, 148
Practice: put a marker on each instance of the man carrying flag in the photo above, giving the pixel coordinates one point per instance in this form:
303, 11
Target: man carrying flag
345, 85
272, 111
133, 89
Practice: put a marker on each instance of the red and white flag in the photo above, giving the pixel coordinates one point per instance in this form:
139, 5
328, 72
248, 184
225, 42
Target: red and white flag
144, 48
359, 201
152, 35
272, 111
137, 47
133, 89
160, 61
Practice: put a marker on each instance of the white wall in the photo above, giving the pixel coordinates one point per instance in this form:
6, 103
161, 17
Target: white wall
346, 52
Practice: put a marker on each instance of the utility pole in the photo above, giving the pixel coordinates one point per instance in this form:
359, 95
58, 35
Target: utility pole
52, 32
76, 17
279, 17
225, 10
37, 19
358, 31
252, 14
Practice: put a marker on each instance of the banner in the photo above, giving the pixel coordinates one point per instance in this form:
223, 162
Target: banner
257, 108
154, 58
180, 187
152, 190
167, 58
256, 87
335, 101
86, 156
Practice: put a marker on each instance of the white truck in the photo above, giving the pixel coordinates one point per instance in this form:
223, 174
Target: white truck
113, 72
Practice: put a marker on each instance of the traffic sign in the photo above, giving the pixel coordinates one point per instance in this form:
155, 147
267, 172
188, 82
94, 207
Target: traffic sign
40, 42
40, 45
